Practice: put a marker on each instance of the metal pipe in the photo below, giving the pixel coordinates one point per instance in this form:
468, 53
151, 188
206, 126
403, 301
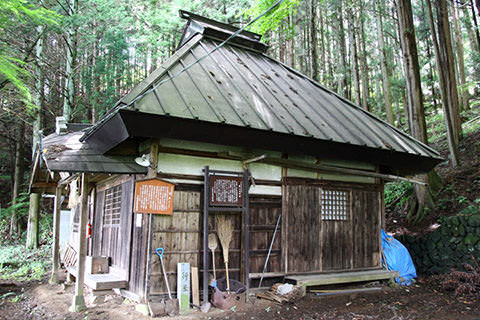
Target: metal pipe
270, 249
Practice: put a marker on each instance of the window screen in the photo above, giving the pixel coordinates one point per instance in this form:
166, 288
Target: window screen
334, 205
113, 200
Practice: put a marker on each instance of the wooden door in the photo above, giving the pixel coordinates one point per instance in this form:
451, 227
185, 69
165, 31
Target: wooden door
331, 226
112, 228
264, 212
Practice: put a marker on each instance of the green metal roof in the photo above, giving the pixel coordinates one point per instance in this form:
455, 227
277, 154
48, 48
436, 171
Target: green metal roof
240, 86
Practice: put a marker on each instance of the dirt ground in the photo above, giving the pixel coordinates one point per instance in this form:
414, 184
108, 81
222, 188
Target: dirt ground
423, 300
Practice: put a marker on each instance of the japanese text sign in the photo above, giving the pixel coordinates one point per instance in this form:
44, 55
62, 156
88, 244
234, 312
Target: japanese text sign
153, 196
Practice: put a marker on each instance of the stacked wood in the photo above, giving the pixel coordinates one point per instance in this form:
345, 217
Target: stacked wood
272, 295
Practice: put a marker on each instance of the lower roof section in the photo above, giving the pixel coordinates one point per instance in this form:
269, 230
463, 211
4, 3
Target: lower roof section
65, 153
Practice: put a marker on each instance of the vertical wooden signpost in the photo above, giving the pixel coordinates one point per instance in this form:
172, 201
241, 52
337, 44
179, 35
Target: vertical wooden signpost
183, 286
225, 191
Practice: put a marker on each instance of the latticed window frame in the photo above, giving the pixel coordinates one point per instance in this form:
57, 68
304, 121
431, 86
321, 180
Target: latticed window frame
335, 205
112, 207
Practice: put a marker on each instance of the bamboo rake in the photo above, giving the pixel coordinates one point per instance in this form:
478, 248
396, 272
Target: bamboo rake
212, 245
225, 232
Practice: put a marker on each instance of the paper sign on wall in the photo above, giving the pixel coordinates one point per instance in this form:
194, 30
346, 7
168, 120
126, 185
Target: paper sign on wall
153, 196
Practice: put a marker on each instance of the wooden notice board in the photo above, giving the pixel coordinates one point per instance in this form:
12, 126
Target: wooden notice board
153, 196
226, 190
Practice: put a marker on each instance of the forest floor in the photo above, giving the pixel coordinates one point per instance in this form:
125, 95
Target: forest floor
423, 300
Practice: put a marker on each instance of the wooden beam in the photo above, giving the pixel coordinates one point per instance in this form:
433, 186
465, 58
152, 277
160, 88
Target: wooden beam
68, 179
261, 182
78, 303
44, 185
56, 235
324, 168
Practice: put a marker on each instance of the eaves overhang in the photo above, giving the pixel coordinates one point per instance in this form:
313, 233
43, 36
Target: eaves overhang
131, 124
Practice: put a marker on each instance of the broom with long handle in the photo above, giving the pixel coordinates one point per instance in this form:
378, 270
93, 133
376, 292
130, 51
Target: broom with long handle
224, 232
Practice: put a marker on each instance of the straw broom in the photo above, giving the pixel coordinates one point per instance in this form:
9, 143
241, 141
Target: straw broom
224, 232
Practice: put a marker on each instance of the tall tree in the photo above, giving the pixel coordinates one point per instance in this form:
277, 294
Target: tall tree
71, 50
444, 57
39, 94
18, 178
423, 195
464, 103
412, 70
383, 62
352, 32
314, 38
363, 58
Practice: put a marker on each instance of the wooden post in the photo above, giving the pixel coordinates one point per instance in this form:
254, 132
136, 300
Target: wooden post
246, 219
195, 291
206, 191
152, 173
152, 168
183, 286
32, 231
56, 235
78, 303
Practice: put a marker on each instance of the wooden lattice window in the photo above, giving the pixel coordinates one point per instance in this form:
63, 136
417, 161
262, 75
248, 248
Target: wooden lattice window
111, 210
335, 205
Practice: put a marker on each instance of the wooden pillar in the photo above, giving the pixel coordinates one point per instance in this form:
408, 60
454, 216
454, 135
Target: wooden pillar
246, 233
78, 303
56, 235
206, 196
152, 173
152, 168
32, 230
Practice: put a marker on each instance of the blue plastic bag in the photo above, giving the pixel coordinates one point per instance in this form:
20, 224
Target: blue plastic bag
398, 259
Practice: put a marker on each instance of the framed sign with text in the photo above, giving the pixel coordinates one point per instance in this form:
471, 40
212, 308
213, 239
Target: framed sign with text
153, 196
226, 190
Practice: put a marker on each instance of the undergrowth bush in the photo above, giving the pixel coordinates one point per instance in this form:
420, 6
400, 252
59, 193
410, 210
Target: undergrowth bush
45, 224
21, 209
464, 283
18, 263
397, 193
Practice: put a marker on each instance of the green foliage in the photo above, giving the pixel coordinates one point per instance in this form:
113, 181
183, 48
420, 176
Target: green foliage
18, 263
472, 209
12, 12
275, 19
397, 193
21, 209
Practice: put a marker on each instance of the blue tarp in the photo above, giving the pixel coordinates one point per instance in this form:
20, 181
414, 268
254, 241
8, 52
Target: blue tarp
398, 259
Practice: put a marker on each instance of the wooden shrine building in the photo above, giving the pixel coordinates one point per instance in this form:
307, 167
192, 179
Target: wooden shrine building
312, 156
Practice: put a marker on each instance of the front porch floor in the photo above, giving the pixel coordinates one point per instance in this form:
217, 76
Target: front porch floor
341, 277
101, 281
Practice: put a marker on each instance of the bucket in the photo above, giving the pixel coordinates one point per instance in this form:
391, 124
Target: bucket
227, 300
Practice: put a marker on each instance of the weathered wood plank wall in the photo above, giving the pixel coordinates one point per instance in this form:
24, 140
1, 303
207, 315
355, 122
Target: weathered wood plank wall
179, 235
316, 245
264, 212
